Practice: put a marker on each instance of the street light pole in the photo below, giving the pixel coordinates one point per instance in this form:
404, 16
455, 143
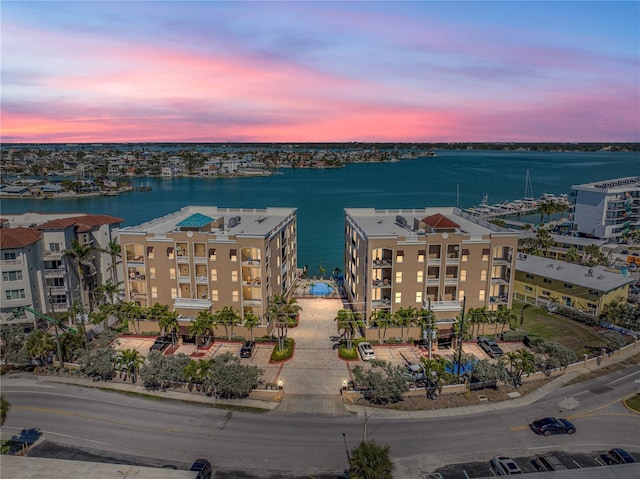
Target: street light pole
464, 303
55, 326
344, 437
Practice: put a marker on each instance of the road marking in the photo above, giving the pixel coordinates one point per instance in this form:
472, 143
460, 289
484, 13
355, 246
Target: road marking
520, 428
57, 434
624, 377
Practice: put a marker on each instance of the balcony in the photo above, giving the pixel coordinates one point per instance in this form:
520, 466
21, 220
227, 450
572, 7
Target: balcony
381, 283
57, 290
433, 259
250, 262
454, 306
502, 260
48, 273
51, 255
135, 259
381, 303
453, 259
182, 258
499, 280
502, 299
252, 302
58, 307
450, 280
17, 261
192, 303
381, 263
184, 279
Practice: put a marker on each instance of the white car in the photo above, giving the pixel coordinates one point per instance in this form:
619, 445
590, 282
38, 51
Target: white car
505, 466
366, 351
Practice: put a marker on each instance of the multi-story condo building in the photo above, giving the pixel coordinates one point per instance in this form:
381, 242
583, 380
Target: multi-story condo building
426, 258
206, 258
607, 209
21, 264
589, 289
60, 281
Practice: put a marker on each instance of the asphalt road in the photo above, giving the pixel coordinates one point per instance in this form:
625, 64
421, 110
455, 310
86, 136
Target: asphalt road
243, 444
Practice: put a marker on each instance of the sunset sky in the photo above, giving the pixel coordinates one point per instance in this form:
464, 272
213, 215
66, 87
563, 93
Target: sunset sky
85, 71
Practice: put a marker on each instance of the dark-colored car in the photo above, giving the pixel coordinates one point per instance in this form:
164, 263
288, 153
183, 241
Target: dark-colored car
490, 347
548, 462
246, 351
203, 468
551, 425
620, 456
161, 343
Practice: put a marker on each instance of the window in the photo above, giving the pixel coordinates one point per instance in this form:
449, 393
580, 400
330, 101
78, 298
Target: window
54, 246
170, 253
463, 275
234, 276
483, 275
420, 276
214, 275
214, 295
465, 255
568, 286
592, 306
528, 289
400, 256
418, 296
529, 276
399, 277
235, 296
174, 293
154, 291
212, 254
172, 273
485, 255
233, 255
461, 295
9, 256
421, 254
546, 280
545, 293
593, 292
150, 252
11, 275
152, 272
15, 294
398, 297
481, 295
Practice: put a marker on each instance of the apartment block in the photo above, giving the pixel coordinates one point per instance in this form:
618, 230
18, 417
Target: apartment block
205, 258
426, 258
542, 280
21, 264
607, 209
58, 230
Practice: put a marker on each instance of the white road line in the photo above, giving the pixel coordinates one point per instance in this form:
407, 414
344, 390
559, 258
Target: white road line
57, 434
623, 378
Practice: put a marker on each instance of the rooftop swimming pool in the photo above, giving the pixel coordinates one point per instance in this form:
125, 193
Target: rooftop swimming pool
320, 289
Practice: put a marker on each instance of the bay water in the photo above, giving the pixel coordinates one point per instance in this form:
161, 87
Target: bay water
320, 195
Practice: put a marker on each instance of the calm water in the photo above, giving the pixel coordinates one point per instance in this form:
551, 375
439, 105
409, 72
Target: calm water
321, 195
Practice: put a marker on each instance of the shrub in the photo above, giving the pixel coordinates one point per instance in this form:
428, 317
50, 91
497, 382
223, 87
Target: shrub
345, 353
532, 341
517, 335
285, 353
383, 383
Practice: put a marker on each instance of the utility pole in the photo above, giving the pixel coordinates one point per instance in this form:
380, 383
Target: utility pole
344, 437
464, 303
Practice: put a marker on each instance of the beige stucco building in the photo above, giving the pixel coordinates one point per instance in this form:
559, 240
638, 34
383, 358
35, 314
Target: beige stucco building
426, 258
206, 258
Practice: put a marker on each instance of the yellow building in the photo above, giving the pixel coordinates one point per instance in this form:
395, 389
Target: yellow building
206, 258
543, 280
426, 258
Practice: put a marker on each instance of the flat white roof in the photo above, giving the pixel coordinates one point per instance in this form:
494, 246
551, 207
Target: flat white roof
597, 278
383, 222
567, 239
611, 186
252, 222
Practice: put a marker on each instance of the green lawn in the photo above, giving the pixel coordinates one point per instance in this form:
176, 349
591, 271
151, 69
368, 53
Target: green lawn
633, 403
578, 337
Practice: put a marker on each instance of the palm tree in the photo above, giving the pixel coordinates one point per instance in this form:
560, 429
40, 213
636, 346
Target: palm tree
347, 321
283, 312
403, 318
200, 325
38, 344
82, 257
250, 322
167, 320
427, 321
544, 241
227, 316
383, 320
108, 292
371, 461
573, 255
114, 250
524, 308
436, 368
526, 364
131, 360
190, 373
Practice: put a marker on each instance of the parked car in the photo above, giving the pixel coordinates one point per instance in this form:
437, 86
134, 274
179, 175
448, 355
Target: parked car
161, 343
246, 351
550, 425
548, 462
490, 347
203, 468
505, 466
620, 456
366, 351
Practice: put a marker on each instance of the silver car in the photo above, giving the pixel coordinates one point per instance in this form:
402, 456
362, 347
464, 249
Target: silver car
505, 466
366, 351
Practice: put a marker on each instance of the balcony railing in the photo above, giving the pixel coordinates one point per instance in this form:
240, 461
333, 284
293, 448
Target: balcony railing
192, 303
54, 272
182, 259
443, 305
57, 290
252, 302
250, 262
381, 263
381, 283
135, 258
502, 299
11, 261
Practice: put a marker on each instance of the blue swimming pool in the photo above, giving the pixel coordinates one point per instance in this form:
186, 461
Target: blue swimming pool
320, 289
